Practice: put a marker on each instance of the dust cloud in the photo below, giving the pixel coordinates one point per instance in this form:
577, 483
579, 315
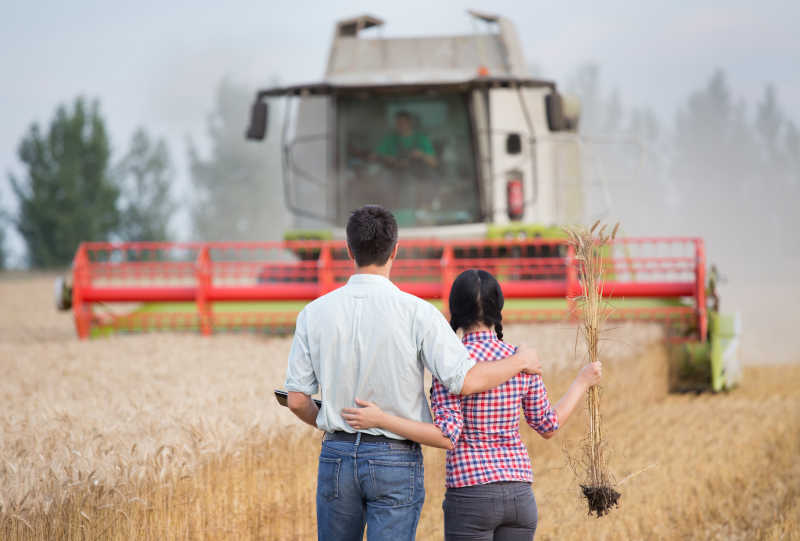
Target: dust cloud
721, 169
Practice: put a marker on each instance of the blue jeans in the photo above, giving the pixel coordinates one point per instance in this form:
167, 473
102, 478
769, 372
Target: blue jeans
504, 511
377, 485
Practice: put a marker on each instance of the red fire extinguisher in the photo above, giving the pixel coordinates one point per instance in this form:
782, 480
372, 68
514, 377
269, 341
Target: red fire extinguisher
515, 198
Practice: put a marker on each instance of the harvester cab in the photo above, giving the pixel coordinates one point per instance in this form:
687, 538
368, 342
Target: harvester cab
450, 132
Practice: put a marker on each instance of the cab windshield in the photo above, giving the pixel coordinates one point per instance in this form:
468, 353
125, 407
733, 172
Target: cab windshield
412, 154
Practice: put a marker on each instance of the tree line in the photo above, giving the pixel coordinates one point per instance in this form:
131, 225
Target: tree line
72, 189
717, 158
721, 169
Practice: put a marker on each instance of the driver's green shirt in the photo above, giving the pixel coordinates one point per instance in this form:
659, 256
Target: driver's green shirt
395, 144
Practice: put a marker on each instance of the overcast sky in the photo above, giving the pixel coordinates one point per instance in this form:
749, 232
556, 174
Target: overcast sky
157, 63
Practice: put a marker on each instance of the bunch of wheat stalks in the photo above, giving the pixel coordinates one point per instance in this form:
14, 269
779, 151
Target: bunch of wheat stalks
589, 258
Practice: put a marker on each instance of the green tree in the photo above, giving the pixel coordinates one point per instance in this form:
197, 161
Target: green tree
716, 148
792, 146
2, 245
733, 169
779, 137
66, 195
769, 120
237, 192
144, 177
620, 150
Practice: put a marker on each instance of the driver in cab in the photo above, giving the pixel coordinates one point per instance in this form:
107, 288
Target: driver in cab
405, 146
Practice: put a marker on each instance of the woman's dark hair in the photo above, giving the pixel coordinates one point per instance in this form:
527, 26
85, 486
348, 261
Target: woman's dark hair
371, 235
476, 297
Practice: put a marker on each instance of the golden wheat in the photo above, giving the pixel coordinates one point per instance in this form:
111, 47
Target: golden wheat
589, 248
178, 437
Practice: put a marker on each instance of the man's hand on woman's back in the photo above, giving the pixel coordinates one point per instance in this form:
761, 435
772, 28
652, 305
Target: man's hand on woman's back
530, 359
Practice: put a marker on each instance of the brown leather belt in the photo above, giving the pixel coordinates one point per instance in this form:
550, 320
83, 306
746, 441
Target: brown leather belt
365, 438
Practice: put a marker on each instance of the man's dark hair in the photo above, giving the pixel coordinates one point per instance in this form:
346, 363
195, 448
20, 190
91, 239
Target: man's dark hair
371, 235
403, 114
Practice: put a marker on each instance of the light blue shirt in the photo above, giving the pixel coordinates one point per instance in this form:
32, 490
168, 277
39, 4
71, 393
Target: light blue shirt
370, 340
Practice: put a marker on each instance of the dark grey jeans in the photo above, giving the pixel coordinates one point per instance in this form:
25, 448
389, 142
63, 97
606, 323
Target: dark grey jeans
494, 512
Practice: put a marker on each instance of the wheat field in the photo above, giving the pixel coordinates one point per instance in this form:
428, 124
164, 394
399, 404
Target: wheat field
168, 436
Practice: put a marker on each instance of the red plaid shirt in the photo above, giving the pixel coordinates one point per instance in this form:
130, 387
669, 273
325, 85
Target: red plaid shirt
484, 427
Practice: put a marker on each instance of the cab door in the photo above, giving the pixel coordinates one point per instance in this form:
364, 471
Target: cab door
309, 172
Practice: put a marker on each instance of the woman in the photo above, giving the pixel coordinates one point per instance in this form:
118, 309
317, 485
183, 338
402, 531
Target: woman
488, 471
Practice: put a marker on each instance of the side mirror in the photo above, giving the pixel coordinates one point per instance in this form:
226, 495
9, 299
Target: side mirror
555, 112
571, 107
563, 112
259, 116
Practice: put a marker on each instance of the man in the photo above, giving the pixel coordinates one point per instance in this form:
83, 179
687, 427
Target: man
405, 145
368, 339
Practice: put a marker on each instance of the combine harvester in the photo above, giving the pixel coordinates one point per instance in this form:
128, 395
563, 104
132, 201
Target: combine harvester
480, 163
